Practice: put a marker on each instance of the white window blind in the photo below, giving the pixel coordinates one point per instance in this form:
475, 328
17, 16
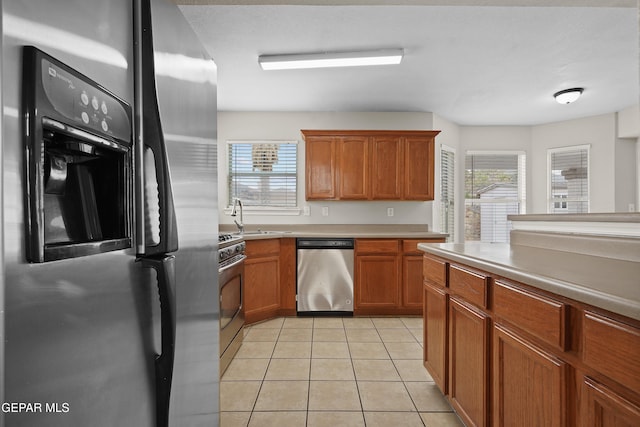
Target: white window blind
495, 187
569, 179
447, 189
263, 173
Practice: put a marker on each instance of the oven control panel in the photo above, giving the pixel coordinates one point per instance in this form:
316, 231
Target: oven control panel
230, 254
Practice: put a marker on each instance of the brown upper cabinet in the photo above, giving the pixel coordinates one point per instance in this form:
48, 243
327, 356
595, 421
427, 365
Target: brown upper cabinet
353, 167
369, 165
320, 174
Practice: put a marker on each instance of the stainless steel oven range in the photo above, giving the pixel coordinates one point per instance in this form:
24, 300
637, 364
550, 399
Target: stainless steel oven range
231, 256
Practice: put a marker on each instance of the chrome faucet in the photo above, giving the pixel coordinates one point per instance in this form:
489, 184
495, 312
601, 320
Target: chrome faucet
237, 202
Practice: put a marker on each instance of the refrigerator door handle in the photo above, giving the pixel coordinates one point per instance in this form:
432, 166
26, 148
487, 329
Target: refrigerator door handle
165, 273
156, 208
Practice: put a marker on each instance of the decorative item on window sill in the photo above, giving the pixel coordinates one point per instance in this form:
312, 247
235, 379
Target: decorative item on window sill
264, 156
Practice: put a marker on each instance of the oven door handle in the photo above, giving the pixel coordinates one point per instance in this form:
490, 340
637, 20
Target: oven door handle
233, 264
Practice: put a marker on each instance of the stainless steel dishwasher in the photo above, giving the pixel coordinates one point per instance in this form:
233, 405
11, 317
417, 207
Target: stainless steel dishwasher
325, 276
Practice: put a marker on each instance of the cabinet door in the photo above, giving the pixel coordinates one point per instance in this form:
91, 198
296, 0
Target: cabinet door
261, 288
353, 168
320, 167
418, 168
468, 357
377, 281
601, 407
412, 281
529, 384
387, 164
435, 335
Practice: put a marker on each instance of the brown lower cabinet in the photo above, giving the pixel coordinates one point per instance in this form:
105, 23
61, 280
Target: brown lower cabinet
412, 273
603, 407
388, 276
523, 374
269, 279
468, 362
377, 285
436, 319
261, 279
508, 354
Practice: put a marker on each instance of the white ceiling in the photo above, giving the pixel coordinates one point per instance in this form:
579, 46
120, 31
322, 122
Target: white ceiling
489, 65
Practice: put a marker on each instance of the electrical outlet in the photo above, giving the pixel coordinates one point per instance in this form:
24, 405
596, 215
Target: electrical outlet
325, 211
632, 207
306, 211
389, 211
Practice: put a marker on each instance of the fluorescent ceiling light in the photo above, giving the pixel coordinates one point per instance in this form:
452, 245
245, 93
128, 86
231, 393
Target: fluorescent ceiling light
567, 96
334, 59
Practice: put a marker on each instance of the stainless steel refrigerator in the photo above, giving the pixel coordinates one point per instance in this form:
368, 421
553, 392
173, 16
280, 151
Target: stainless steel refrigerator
109, 292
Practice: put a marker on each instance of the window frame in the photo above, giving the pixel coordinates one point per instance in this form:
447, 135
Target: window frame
566, 200
440, 206
521, 199
263, 209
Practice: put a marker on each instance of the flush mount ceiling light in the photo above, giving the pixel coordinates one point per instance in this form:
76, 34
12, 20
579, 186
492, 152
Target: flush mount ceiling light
567, 96
331, 59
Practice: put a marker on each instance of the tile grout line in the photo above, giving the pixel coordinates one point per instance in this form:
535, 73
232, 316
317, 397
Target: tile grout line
315, 325
306, 420
355, 378
404, 383
253, 408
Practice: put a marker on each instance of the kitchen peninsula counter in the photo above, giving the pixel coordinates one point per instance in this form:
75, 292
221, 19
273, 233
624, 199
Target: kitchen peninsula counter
521, 334
596, 279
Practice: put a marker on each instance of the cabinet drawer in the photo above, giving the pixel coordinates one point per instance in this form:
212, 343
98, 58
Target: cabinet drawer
434, 270
536, 314
470, 285
377, 246
612, 348
411, 245
262, 247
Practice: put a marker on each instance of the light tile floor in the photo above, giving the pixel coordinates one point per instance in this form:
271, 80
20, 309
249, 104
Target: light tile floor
333, 372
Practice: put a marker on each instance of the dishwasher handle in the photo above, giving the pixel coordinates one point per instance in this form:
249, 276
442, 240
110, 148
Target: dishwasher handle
324, 243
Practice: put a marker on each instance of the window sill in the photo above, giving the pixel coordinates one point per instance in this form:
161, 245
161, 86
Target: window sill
265, 211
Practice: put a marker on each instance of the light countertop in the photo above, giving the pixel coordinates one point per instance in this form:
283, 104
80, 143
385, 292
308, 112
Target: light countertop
607, 283
380, 231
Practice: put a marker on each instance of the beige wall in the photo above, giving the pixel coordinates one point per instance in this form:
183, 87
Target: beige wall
287, 126
612, 137
629, 122
599, 133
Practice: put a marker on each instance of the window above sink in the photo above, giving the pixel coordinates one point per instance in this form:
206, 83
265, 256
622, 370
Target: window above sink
263, 173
